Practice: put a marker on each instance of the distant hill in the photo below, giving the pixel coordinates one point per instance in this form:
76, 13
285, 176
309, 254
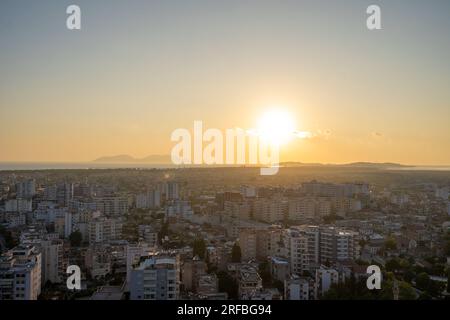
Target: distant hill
376, 165
124, 158
165, 159
382, 165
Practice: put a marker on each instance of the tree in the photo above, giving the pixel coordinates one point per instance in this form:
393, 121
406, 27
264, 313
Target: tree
199, 248
423, 281
228, 284
264, 273
407, 292
448, 281
10, 242
390, 244
163, 232
447, 248
236, 253
76, 238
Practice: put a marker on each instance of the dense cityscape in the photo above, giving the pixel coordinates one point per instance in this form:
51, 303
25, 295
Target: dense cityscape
308, 233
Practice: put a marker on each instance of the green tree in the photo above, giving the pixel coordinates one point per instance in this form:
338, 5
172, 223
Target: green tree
447, 248
163, 232
406, 291
264, 273
236, 253
448, 281
199, 248
76, 238
228, 284
10, 242
390, 244
423, 281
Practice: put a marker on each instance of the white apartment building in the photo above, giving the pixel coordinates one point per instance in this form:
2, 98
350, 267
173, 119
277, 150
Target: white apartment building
171, 190
148, 200
308, 207
298, 288
271, 242
15, 219
301, 208
133, 253
310, 246
240, 210
268, 210
18, 205
148, 234
26, 189
112, 205
155, 277
325, 277
104, 229
337, 245
181, 208
20, 274
98, 261
248, 191
53, 267
248, 244
298, 252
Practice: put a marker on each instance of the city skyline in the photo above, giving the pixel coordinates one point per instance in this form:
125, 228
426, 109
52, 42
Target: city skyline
136, 72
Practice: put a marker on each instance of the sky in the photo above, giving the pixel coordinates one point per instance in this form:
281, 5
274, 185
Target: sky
137, 70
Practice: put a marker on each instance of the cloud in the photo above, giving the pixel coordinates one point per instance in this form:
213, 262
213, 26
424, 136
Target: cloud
376, 134
321, 134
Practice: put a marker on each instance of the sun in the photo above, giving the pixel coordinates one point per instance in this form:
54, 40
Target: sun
276, 126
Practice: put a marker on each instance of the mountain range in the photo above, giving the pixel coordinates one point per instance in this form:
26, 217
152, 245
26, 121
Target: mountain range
165, 159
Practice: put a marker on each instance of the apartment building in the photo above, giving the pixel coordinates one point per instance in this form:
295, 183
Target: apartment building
325, 278
156, 277
104, 229
20, 274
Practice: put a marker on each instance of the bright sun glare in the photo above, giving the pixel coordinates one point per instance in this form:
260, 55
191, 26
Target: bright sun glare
276, 126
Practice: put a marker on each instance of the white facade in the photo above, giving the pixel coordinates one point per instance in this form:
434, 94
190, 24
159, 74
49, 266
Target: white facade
52, 261
18, 205
297, 288
133, 254
103, 229
149, 200
268, 210
20, 274
26, 189
324, 279
155, 277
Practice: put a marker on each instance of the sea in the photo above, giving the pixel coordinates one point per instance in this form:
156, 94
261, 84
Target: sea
18, 166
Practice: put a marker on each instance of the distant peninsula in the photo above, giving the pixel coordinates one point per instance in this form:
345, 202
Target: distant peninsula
124, 158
